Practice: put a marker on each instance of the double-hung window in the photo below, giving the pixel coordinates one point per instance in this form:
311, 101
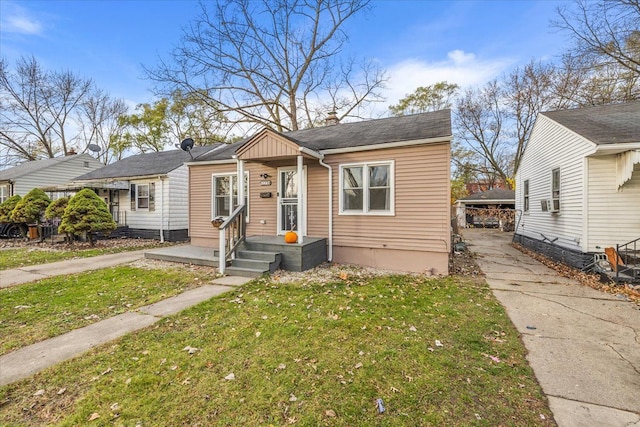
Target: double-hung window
367, 188
225, 194
143, 196
525, 195
555, 190
4, 192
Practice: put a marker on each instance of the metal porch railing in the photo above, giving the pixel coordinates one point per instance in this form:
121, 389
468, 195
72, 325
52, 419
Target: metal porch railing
232, 232
629, 255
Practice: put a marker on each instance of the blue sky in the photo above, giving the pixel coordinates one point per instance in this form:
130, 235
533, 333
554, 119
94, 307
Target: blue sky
417, 42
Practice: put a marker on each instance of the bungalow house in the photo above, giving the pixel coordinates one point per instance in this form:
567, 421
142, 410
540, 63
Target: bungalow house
578, 184
21, 179
373, 193
146, 193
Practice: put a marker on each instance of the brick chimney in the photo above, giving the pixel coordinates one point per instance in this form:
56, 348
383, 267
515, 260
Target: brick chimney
71, 152
332, 119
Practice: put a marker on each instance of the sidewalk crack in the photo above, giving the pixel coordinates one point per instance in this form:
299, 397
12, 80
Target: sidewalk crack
624, 358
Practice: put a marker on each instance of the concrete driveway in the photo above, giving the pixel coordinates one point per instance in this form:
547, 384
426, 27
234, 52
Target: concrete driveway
583, 344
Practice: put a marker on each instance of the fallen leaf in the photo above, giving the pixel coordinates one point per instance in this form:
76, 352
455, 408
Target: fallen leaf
190, 350
330, 413
413, 329
358, 365
230, 377
343, 275
439, 344
94, 416
39, 392
62, 391
292, 398
258, 334
128, 381
186, 381
106, 372
114, 407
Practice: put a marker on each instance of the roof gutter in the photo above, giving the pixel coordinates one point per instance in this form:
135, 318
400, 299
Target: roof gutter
608, 149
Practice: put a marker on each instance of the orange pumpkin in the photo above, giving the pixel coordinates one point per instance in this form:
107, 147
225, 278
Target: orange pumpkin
290, 237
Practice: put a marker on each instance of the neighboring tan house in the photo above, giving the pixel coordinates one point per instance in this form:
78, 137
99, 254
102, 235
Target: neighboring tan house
373, 193
578, 184
147, 193
21, 179
471, 210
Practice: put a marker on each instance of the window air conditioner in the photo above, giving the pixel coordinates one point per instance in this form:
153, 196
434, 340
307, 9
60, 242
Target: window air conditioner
544, 204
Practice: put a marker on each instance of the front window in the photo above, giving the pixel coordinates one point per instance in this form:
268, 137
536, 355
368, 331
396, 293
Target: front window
525, 192
366, 188
555, 190
4, 192
143, 196
225, 194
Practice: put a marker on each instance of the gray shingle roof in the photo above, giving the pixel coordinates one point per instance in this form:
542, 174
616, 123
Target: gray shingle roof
394, 129
603, 124
494, 194
36, 165
146, 164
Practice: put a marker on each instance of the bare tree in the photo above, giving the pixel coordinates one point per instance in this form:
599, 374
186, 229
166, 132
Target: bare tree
37, 109
607, 29
98, 120
271, 62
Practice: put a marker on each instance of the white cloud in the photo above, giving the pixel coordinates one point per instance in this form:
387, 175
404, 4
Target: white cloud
16, 19
462, 68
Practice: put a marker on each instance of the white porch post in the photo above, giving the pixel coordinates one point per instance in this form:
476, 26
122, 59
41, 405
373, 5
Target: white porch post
240, 182
301, 229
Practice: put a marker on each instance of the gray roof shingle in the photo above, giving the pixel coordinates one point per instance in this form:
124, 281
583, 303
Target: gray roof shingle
146, 164
36, 165
493, 194
371, 132
603, 124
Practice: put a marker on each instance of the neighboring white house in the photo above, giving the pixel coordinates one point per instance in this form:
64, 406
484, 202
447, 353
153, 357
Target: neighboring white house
578, 184
147, 193
21, 179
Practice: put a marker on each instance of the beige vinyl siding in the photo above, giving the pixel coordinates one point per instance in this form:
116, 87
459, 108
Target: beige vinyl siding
553, 146
421, 220
318, 199
614, 215
268, 146
200, 229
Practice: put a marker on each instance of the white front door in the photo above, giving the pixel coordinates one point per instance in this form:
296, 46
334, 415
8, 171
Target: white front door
288, 200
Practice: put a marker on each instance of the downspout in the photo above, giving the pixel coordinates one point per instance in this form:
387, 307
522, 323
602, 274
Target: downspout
161, 209
330, 251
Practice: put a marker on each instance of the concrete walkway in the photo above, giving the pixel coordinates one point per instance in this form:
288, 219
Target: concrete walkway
583, 344
31, 359
32, 273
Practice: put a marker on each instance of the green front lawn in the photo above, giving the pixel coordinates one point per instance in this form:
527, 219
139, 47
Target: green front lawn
438, 352
50, 307
22, 257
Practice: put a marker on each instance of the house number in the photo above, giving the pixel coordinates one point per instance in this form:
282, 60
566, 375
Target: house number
265, 182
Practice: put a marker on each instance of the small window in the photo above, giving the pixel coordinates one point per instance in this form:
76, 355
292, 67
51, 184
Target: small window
367, 188
143, 196
4, 192
525, 196
86, 164
555, 190
225, 194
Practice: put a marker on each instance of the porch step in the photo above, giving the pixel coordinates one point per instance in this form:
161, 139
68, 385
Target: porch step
254, 263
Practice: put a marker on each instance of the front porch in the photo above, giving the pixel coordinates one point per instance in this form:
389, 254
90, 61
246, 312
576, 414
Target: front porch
255, 256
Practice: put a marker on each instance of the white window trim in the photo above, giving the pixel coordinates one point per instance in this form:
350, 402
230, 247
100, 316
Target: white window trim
213, 187
138, 208
4, 192
552, 207
526, 195
365, 188
280, 232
